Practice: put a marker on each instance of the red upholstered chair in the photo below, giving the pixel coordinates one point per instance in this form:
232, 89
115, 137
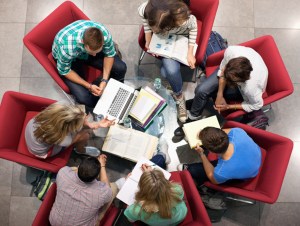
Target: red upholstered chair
42, 216
39, 40
15, 112
265, 187
205, 12
197, 214
279, 83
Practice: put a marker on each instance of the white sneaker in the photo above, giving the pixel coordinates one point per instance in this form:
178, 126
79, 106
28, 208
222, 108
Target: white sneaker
181, 108
163, 147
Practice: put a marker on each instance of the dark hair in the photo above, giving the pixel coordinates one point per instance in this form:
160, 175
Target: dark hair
214, 139
89, 169
93, 37
237, 70
165, 15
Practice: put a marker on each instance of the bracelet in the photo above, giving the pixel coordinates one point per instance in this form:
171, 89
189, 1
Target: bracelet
90, 87
104, 80
102, 166
235, 107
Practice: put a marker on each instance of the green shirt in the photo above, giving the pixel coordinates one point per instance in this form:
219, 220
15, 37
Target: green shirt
135, 213
68, 44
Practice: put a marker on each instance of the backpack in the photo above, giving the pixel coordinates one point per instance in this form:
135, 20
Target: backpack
257, 119
42, 184
215, 44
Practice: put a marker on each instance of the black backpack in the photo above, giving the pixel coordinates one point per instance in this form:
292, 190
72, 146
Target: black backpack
257, 119
215, 44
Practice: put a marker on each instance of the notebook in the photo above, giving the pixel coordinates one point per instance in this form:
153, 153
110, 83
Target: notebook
192, 129
129, 143
116, 101
128, 190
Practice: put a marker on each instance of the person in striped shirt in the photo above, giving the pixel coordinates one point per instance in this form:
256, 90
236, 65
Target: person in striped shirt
171, 17
86, 42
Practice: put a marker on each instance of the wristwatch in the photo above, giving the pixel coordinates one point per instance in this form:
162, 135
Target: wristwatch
104, 80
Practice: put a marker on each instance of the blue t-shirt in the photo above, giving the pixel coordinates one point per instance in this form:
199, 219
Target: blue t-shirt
245, 160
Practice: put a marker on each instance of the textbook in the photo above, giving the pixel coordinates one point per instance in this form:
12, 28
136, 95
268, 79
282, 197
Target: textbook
129, 143
171, 46
192, 129
144, 111
130, 187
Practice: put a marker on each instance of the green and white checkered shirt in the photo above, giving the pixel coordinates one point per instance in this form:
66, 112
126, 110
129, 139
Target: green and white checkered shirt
68, 44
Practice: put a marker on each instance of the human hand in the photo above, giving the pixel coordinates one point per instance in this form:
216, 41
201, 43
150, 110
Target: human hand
221, 107
128, 175
146, 168
105, 123
220, 103
102, 87
191, 60
95, 90
199, 150
102, 159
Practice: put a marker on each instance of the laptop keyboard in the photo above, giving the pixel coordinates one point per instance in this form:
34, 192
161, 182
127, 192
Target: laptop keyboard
118, 101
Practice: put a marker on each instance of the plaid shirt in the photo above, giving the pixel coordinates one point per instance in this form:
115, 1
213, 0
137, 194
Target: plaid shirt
76, 202
68, 44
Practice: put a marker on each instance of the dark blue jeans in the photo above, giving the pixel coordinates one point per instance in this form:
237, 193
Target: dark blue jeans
198, 173
81, 94
208, 89
159, 160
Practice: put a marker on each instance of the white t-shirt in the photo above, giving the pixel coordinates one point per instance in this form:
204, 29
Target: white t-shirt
253, 88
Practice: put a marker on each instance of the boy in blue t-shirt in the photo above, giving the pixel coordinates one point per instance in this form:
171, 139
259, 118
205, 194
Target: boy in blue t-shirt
239, 156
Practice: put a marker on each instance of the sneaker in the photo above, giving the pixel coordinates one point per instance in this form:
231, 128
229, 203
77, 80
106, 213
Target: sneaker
89, 150
179, 132
181, 108
163, 148
182, 166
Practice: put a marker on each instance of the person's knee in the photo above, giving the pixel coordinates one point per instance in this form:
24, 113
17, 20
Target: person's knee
120, 68
200, 92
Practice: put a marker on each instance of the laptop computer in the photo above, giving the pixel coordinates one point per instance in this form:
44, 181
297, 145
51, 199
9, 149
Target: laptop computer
116, 101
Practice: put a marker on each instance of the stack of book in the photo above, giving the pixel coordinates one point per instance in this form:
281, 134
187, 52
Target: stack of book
147, 105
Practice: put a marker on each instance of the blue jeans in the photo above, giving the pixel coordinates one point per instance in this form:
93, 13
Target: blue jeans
160, 160
170, 70
198, 173
209, 88
82, 94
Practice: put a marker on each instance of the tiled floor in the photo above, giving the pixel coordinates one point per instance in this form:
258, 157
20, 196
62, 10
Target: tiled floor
237, 20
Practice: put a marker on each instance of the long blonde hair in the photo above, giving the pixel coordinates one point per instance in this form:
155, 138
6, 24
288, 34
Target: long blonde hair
155, 190
57, 121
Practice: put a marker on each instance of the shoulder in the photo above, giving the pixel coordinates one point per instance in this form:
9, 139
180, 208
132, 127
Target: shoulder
141, 9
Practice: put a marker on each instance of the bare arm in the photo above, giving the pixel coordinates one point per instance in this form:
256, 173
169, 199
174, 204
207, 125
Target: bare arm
148, 37
190, 57
208, 167
103, 176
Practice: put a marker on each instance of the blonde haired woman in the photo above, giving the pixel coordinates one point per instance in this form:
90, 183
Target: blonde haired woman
59, 126
158, 201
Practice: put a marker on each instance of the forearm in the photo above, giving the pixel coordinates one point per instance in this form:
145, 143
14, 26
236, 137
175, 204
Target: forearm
221, 87
74, 77
103, 175
208, 167
148, 37
107, 66
235, 107
191, 50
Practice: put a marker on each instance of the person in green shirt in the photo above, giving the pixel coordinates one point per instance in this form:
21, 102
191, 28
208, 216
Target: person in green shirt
158, 201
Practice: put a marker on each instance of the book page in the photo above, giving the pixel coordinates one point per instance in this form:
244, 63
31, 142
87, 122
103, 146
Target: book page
116, 140
180, 50
127, 192
162, 45
138, 145
192, 129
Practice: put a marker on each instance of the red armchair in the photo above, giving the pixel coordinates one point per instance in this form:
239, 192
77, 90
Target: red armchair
265, 187
15, 112
205, 12
39, 40
279, 83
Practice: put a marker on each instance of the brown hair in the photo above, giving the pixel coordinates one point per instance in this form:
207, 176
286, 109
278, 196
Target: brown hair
164, 15
237, 70
155, 190
214, 139
93, 37
57, 121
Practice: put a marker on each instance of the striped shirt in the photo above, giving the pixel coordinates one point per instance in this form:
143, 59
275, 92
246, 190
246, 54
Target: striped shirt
68, 44
76, 202
188, 28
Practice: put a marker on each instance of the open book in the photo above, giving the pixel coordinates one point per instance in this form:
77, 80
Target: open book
171, 46
130, 187
129, 143
192, 129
